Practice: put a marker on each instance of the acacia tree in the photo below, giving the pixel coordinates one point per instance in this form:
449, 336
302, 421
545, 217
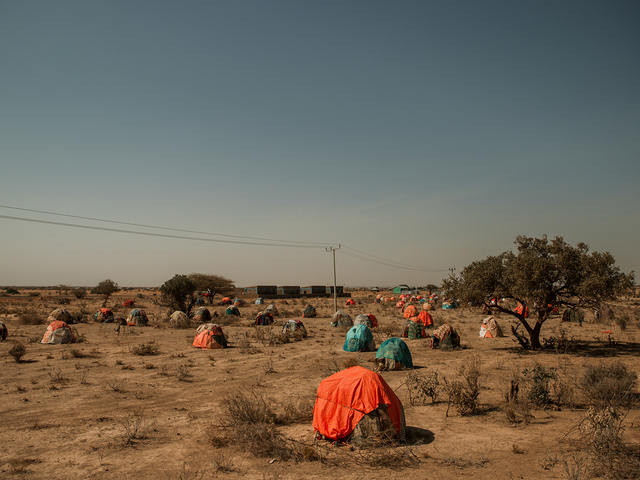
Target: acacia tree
213, 284
106, 288
179, 293
543, 275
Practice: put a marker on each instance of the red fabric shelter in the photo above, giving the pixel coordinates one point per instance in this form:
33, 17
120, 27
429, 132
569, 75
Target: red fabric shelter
347, 396
426, 318
410, 311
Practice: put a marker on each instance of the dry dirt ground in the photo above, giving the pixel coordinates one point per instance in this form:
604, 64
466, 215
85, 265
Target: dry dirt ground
95, 409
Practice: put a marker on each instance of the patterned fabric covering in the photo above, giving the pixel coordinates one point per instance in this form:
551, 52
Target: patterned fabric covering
209, 336
232, 311
490, 328
363, 319
272, 310
413, 329
264, 318
60, 314
341, 319
202, 315
179, 320
295, 327
445, 335
58, 332
309, 312
137, 317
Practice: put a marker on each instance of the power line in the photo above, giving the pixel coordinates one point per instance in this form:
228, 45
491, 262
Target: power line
257, 241
164, 235
323, 245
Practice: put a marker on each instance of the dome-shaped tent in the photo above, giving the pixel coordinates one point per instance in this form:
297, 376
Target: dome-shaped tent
294, 327
232, 310
202, 315
61, 315
351, 301
363, 319
357, 404
259, 301
264, 318
272, 310
309, 312
445, 335
225, 301
410, 311
104, 315
129, 303
413, 329
137, 317
341, 319
359, 339
426, 318
209, 336
179, 319
490, 328
58, 332
393, 354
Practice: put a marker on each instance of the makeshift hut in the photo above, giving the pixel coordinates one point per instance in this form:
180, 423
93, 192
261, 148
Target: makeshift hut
363, 319
393, 354
104, 315
129, 303
259, 301
490, 328
232, 310
400, 305
179, 319
359, 339
426, 319
341, 319
60, 314
58, 332
199, 301
209, 336
294, 328
202, 315
137, 317
427, 306
573, 315
225, 301
309, 312
238, 302
445, 335
264, 318
413, 329
272, 310
4, 333
357, 405
520, 308
350, 302
410, 311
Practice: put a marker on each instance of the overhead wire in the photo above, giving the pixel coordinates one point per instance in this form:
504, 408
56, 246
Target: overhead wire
256, 241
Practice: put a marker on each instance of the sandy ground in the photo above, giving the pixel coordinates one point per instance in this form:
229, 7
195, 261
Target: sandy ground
65, 409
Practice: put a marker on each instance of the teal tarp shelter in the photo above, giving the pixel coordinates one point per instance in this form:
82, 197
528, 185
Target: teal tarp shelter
359, 339
394, 354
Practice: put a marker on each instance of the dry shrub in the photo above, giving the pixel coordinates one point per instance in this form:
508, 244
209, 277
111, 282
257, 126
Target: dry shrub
463, 394
422, 387
18, 466
136, 427
17, 351
609, 385
152, 347
31, 317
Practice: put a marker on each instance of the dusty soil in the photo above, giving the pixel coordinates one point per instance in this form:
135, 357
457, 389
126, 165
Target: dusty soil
68, 410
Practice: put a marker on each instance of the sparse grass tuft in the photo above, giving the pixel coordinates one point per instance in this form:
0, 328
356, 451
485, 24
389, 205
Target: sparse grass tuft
17, 351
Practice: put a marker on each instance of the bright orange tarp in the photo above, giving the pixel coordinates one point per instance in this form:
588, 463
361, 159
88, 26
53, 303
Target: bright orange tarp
347, 396
426, 318
374, 320
410, 311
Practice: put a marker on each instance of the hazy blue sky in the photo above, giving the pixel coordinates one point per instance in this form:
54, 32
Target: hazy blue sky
425, 133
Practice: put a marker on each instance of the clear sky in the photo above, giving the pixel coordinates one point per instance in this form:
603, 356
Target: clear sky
425, 133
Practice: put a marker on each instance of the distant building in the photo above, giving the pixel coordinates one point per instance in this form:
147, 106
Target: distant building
404, 289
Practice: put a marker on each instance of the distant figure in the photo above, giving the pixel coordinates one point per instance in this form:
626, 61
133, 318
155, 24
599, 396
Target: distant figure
210, 296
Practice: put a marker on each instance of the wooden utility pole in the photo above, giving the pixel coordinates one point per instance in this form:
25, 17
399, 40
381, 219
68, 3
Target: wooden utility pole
335, 289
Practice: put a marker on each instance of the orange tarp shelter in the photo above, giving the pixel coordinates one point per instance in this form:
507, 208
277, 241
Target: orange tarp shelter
347, 396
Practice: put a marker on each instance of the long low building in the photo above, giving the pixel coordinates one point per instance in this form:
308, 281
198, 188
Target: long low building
290, 291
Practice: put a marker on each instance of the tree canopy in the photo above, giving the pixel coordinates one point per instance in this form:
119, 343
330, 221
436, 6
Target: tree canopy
179, 293
106, 288
542, 275
216, 284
